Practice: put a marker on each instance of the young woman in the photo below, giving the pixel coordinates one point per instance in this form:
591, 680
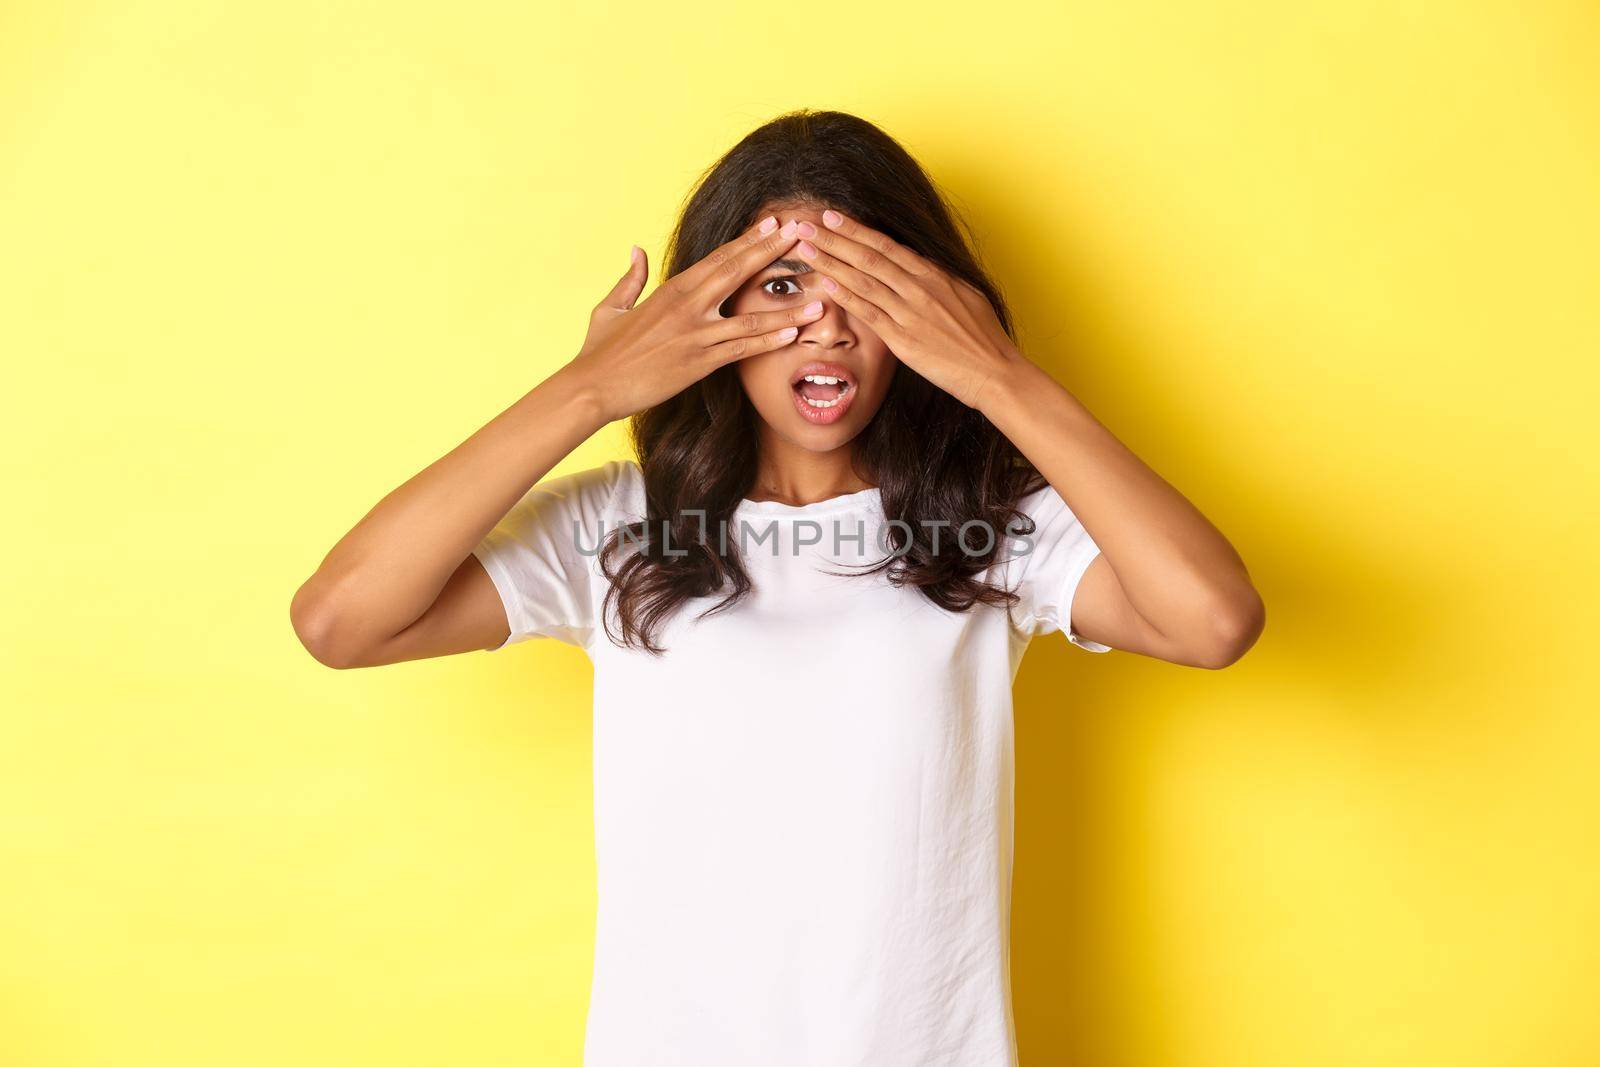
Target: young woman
805, 604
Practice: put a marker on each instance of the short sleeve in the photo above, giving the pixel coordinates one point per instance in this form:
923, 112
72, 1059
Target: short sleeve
542, 556
1047, 566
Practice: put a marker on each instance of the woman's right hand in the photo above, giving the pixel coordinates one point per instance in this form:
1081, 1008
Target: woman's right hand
636, 357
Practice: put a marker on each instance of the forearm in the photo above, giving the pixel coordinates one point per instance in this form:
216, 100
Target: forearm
383, 574
1175, 568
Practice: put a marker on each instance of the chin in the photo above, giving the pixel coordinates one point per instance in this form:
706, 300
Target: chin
818, 442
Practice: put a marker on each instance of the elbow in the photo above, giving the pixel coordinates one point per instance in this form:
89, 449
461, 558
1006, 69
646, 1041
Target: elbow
316, 624
1233, 625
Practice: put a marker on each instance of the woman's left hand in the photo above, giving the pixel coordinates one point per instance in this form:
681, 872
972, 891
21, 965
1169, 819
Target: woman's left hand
939, 325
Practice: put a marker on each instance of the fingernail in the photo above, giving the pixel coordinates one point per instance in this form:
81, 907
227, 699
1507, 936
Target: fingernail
769, 224
806, 249
832, 217
830, 285
788, 332
788, 229
807, 230
813, 307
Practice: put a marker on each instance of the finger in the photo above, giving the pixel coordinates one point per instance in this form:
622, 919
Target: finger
716, 277
868, 289
758, 322
902, 257
747, 346
631, 284
882, 323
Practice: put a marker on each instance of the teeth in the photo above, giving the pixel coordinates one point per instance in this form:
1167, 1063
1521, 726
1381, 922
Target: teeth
844, 391
825, 379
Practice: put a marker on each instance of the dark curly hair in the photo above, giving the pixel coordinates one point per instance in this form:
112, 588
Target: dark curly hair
935, 460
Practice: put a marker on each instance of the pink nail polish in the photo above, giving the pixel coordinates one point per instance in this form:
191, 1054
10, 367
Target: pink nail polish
807, 230
806, 249
832, 217
769, 224
788, 229
830, 285
813, 307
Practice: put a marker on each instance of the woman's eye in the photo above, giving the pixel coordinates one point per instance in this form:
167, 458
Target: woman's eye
781, 281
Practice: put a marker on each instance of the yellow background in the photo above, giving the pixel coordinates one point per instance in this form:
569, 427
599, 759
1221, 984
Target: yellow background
1330, 269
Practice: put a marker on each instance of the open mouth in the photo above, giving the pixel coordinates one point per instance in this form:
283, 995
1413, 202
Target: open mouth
822, 391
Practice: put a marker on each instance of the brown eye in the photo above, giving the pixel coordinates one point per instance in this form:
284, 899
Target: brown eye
780, 281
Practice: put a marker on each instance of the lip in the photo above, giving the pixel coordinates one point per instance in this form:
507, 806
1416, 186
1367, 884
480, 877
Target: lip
823, 416
817, 366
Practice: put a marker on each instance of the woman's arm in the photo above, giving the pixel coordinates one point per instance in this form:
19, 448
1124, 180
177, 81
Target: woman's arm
403, 583
1167, 583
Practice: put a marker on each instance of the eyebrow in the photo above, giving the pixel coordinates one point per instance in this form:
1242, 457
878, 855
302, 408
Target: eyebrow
793, 266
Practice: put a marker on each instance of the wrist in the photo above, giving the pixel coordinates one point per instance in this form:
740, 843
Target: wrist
581, 394
1013, 376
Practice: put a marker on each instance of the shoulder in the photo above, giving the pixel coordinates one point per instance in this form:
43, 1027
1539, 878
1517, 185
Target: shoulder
1039, 499
609, 479
1045, 506
1036, 511
1048, 531
591, 495
625, 502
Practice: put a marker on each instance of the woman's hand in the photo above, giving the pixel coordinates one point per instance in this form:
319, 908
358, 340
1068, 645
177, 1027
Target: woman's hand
940, 326
636, 357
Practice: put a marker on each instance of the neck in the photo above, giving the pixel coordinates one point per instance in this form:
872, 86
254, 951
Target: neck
789, 474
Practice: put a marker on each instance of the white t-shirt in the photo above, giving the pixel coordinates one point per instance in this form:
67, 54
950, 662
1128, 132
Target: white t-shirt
803, 810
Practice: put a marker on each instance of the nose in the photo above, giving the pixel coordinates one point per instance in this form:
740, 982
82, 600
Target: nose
829, 330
